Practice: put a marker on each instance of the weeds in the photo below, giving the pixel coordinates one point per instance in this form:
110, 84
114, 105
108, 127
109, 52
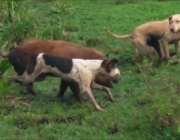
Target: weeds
59, 8
146, 100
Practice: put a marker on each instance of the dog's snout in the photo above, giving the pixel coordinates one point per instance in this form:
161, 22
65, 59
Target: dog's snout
172, 30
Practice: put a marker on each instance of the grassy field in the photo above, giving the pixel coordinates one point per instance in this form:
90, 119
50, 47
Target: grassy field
146, 103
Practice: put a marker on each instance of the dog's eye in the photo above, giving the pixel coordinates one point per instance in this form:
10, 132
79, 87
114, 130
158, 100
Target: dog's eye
177, 21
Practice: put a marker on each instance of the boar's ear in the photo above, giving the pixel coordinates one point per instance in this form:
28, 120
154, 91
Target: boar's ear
107, 55
115, 61
12, 48
170, 20
24, 54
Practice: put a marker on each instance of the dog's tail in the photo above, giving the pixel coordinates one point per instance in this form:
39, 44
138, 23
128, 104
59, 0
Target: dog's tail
118, 36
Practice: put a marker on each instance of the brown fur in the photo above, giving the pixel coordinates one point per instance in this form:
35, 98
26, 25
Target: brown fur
20, 56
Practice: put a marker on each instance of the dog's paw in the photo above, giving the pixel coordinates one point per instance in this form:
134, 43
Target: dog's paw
99, 109
111, 99
164, 59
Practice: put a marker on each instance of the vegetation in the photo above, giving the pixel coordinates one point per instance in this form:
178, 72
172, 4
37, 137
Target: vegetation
146, 100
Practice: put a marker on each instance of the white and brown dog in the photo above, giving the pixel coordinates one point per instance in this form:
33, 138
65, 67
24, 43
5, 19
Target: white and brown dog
77, 70
148, 34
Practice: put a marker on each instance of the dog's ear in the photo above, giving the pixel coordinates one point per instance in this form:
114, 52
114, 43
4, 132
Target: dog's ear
109, 64
103, 64
106, 64
170, 20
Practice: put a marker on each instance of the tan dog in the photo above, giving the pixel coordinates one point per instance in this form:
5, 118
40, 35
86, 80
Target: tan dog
149, 33
174, 23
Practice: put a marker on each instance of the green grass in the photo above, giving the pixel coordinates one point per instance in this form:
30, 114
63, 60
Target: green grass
146, 103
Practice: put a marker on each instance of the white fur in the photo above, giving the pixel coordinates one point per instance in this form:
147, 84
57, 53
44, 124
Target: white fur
83, 72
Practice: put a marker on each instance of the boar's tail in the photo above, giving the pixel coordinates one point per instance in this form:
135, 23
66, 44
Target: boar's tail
4, 55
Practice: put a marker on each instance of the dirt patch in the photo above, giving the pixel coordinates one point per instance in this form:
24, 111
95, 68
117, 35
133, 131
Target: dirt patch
114, 129
42, 121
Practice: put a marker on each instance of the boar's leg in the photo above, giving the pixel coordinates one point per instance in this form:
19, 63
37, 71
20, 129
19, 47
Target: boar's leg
74, 88
76, 91
63, 87
30, 88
